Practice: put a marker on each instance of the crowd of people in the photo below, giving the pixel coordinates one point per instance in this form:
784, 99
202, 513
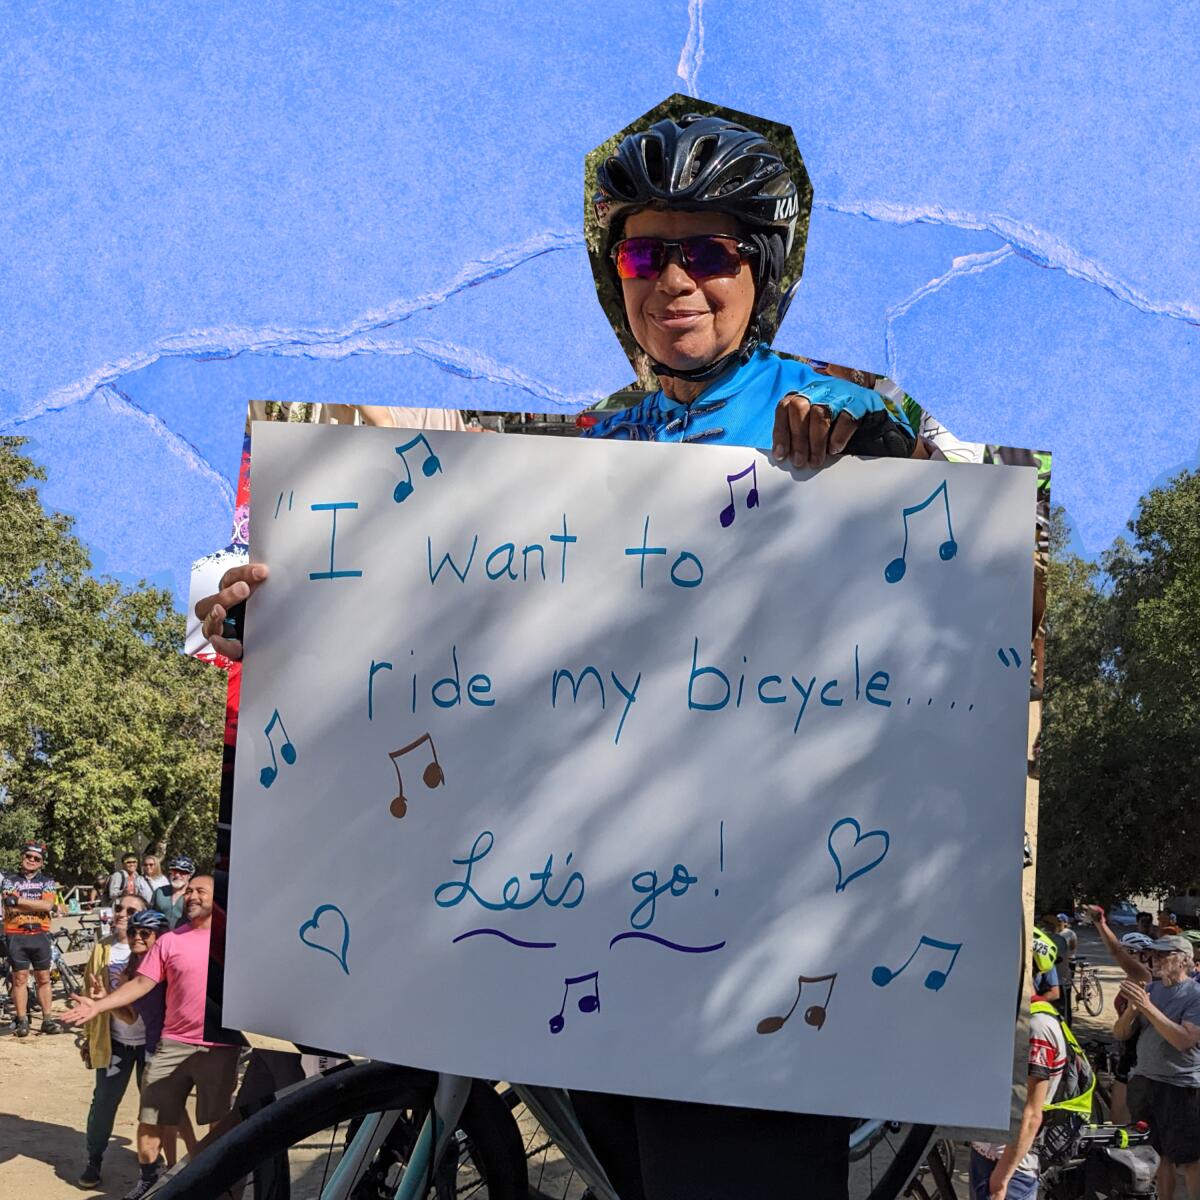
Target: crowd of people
1157, 1077
143, 1013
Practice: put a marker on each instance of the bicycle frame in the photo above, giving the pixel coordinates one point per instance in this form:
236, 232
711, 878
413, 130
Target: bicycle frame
550, 1106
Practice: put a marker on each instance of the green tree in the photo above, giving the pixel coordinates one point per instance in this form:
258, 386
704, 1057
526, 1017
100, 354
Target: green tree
109, 735
1121, 748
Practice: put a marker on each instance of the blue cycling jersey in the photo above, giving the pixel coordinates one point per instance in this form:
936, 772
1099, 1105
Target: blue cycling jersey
738, 409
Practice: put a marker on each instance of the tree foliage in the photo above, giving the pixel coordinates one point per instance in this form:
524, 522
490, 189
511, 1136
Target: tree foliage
1121, 743
109, 736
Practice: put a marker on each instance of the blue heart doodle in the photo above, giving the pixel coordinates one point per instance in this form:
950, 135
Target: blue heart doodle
313, 924
859, 838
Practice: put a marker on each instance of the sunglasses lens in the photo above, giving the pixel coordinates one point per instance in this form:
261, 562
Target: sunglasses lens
705, 257
639, 258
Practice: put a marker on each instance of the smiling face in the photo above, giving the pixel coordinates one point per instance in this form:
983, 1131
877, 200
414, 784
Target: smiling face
198, 898
683, 322
124, 908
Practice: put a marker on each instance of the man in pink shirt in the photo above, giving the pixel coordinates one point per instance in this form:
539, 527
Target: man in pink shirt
183, 1059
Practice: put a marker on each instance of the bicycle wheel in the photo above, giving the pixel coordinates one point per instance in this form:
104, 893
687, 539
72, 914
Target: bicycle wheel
552, 1175
885, 1156
941, 1173
312, 1126
68, 982
1092, 995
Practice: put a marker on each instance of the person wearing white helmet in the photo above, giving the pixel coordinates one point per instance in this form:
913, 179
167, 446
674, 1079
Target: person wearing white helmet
1137, 944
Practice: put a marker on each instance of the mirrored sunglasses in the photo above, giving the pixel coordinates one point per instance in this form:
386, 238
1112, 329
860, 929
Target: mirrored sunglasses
702, 257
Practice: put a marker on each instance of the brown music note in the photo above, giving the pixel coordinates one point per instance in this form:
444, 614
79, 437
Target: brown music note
433, 775
813, 1015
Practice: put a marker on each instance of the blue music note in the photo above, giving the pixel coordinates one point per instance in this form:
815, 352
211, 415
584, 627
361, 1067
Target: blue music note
894, 571
587, 1004
935, 980
729, 512
429, 467
268, 774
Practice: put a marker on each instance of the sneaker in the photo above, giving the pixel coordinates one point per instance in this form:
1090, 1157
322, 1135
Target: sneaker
49, 1025
22, 1027
141, 1188
91, 1174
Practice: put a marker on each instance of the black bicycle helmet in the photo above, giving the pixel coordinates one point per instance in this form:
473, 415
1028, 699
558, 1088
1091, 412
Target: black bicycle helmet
150, 919
707, 164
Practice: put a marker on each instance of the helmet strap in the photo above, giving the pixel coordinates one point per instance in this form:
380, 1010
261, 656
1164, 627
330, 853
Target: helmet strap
750, 343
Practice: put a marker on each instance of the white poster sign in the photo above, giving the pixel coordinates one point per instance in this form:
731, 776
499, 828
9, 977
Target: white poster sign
650, 769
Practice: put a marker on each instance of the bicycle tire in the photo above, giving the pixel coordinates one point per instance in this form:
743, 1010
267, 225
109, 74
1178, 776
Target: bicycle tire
940, 1175
905, 1161
341, 1096
1093, 996
69, 981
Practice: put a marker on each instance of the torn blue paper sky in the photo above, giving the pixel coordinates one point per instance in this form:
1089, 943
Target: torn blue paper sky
290, 203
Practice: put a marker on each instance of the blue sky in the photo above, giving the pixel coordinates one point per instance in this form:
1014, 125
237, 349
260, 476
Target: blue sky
383, 203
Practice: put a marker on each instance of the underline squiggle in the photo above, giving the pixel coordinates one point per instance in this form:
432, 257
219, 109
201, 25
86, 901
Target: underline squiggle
651, 937
500, 934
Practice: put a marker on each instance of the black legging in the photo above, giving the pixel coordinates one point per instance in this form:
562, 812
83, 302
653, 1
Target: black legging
669, 1150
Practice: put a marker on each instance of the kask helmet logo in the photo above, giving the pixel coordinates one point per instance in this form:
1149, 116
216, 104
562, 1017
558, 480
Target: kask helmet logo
786, 208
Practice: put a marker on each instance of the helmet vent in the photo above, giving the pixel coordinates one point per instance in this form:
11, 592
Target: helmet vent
701, 155
652, 156
619, 179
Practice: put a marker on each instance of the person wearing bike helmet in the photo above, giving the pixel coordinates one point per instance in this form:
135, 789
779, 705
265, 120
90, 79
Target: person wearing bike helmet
114, 1044
1139, 945
697, 220
168, 900
1059, 1082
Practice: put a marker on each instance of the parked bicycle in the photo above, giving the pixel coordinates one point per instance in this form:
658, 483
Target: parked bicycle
82, 937
1088, 991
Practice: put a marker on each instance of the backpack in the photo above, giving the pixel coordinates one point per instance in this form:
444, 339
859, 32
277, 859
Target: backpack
1071, 1106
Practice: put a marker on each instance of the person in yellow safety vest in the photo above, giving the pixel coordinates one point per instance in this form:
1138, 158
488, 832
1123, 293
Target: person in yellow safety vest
1058, 1098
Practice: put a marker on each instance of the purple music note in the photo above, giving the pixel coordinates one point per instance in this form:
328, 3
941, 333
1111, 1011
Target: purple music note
814, 1014
894, 571
268, 775
433, 775
935, 980
587, 1004
430, 466
730, 511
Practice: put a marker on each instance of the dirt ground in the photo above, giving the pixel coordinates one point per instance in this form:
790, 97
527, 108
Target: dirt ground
45, 1091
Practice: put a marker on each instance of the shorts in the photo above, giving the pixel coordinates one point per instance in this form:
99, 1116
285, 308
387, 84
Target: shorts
174, 1069
27, 950
1173, 1114
1022, 1186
